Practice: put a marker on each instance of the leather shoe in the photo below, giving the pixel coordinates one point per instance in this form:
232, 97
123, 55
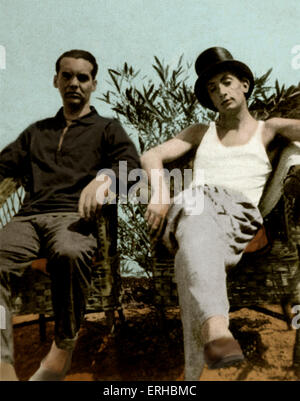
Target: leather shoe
224, 351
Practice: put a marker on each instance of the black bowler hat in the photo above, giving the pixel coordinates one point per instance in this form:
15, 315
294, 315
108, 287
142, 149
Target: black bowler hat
213, 61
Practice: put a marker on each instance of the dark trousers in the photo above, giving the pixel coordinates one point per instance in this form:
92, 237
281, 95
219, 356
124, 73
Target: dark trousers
69, 245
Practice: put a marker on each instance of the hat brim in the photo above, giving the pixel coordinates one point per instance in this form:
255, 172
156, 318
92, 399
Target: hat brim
230, 65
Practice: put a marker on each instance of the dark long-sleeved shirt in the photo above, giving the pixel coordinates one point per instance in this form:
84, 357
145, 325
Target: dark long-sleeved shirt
53, 175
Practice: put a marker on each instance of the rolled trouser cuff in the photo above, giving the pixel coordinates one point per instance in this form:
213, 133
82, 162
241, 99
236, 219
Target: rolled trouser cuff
67, 344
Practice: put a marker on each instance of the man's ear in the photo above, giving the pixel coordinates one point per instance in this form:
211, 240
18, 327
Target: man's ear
246, 85
95, 82
55, 81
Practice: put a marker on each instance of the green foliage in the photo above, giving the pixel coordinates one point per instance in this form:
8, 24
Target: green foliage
156, 109
133, 241
267, 102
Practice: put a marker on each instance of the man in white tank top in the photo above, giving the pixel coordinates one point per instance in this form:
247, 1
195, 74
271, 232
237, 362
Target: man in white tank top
232, 154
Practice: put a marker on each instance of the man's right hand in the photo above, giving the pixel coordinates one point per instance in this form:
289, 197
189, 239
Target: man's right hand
156, 218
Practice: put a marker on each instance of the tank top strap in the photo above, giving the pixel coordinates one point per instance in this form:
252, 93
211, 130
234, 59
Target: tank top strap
211, 134
258, 132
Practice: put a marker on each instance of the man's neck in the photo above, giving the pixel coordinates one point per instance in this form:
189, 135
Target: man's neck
235, 120
72, 113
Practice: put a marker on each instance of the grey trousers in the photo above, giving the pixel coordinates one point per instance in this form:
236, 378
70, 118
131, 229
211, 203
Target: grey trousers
69, 245
207, 244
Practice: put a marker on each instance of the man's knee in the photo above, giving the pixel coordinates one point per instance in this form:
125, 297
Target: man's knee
72, 252
19, 245
198, 233
191, 226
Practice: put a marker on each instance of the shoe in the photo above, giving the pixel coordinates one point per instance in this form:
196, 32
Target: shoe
44, 374
224, 351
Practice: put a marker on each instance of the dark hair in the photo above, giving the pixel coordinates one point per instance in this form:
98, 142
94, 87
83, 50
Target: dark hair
233, 71
79, 54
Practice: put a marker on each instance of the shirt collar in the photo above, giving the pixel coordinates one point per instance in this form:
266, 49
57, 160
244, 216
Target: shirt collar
87, 119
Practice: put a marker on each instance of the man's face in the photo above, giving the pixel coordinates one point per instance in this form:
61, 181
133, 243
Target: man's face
226, 91
74, 81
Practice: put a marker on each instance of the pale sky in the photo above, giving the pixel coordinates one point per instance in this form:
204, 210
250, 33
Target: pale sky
261, 33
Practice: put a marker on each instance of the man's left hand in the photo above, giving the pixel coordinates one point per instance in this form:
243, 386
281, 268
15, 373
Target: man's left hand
93, 196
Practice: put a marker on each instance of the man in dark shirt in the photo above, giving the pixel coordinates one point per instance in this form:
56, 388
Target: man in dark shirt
58, 160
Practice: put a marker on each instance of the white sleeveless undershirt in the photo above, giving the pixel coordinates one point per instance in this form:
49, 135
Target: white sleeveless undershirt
244, 168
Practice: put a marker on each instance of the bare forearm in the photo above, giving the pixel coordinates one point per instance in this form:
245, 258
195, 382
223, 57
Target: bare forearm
287, 127
151, 160
152, 163
160, 197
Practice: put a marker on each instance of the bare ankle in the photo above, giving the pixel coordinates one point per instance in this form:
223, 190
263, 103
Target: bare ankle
215, 327
57, 358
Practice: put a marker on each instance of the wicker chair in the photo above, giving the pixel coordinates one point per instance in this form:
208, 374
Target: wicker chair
265, 277
31, 293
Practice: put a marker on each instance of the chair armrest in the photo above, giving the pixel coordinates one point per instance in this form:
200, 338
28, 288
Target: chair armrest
291, 184
11, 197
7, 187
